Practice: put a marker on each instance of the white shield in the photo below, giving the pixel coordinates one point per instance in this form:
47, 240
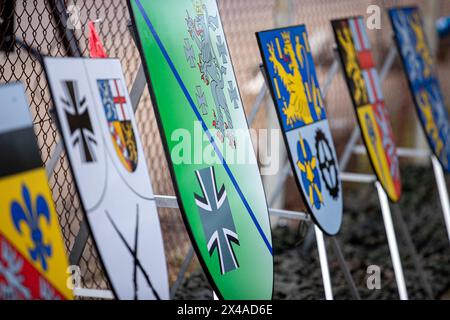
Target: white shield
125, 223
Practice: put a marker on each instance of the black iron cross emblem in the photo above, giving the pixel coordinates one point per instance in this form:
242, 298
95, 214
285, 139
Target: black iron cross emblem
80, 126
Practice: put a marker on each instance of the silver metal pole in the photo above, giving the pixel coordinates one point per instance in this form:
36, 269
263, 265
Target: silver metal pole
348, 150
185, 265
388, 62
138, 88
54, 157
409, 153
166, 202
330, 77
93, 293
76, 252
345, 269
413, 153
258, 104
171, 202
401, 152
295, 215
357, 177
400, 222
443, 193
324, 264
392, 241
282, 176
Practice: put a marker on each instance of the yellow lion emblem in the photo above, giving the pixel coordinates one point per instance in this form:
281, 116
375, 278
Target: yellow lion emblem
298, 108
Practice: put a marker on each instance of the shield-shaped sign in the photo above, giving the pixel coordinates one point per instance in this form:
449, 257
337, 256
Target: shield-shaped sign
33, 263
420, 69
100, 136
119, 121
291, 74
207, 143
365, 90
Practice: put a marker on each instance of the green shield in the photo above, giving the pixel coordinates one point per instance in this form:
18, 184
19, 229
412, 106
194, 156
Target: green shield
207, 143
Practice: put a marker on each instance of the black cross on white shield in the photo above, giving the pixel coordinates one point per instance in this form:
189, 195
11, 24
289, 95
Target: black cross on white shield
80, 124
80, 129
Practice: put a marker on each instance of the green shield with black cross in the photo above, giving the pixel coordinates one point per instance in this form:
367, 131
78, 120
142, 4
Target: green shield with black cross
207, 143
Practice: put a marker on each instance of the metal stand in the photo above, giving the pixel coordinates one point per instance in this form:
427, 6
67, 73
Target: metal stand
93, 293
438, 175
324, 264
184, 266
344, 268
416, 259
443, 193
387, 218
400, 223
392, 241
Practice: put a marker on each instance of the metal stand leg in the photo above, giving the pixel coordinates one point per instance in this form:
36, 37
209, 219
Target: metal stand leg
392, 241
54, 157
324, 264
76, 252
330, 77
282, 176
184, 266
443, 193
308, 240
345, 269
345, 158
138, 88
412, 251
388, 62
339, 255
257, 105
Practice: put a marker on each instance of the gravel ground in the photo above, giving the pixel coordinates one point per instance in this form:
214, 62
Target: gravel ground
363, 241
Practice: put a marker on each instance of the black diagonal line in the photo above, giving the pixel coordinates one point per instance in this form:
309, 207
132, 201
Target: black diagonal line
136, 236
133, 254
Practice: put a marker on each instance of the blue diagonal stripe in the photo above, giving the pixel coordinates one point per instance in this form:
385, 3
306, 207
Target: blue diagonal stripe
205, 128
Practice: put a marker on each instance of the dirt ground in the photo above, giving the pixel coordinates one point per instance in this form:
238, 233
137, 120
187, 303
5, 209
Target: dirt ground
363, 241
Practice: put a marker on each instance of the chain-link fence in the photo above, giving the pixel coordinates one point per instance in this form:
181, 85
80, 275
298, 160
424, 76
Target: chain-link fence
37, 23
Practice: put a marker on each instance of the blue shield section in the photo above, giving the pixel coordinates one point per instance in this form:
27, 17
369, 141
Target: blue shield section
316, 168
422, 77
298, 101
291, 73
